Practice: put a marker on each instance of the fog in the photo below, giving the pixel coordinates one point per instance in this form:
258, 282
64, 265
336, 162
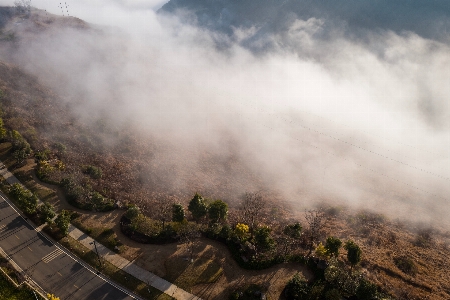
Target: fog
324, 114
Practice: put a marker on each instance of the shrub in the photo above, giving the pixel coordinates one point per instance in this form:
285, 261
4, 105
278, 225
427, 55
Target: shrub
263, 240
293, 231
26, 200
321, 251
52, 297
338, 277
234, 296
61, 148
42, 155
241, 231
20, 155
74, 192
18, 142
333, 294
43, 169
406, 265
62, 221
424, 238
3, 131
332, 246
297, 288
46, 212
366, 290
94, 172
132, 212
96, 199
218, 211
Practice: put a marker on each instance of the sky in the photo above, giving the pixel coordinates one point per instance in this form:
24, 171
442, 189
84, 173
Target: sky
322, 116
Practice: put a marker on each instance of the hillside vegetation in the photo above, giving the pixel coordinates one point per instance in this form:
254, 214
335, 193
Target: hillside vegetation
404, 261
102, 167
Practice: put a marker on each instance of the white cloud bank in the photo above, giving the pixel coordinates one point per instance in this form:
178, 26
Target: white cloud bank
315, 119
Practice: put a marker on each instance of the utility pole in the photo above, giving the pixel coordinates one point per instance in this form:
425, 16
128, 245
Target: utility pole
98, 256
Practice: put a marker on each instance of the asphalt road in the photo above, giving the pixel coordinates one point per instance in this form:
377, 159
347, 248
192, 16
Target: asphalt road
49, 266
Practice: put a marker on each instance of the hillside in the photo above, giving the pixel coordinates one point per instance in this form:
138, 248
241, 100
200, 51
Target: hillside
382, 241
109, 153
136, 167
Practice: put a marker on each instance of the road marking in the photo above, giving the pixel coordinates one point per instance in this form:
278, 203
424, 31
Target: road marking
17, 237
52, 255
30, 249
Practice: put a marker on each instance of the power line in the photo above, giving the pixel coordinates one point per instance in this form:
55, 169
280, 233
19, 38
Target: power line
353, 162
361, 148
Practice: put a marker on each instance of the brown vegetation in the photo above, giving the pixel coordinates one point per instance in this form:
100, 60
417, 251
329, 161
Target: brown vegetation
405, 262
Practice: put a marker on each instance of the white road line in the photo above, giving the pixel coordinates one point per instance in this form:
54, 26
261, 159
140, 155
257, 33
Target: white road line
69, 254
52, 255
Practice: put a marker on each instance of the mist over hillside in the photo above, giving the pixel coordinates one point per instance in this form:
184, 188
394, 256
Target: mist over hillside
351, 18
313, 101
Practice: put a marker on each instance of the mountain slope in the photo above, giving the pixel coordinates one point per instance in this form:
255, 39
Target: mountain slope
429, 19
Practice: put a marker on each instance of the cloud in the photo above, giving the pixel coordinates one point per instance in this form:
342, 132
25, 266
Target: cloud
319, 116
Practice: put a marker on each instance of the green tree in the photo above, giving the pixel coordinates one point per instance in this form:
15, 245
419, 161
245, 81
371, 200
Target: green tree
98, 201
353, 253
340, 278
197, 207
46, 212
178, 214
332, 245
93, 171
42, 155
62, 221
20, 155
132, 212
263, 239
297, 288
366, 290
293, 230
3, 132
26, 200
43, 169
18, 142
217, 211
333, 294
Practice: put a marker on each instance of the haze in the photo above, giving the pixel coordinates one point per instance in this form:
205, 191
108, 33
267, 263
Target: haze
324, 113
